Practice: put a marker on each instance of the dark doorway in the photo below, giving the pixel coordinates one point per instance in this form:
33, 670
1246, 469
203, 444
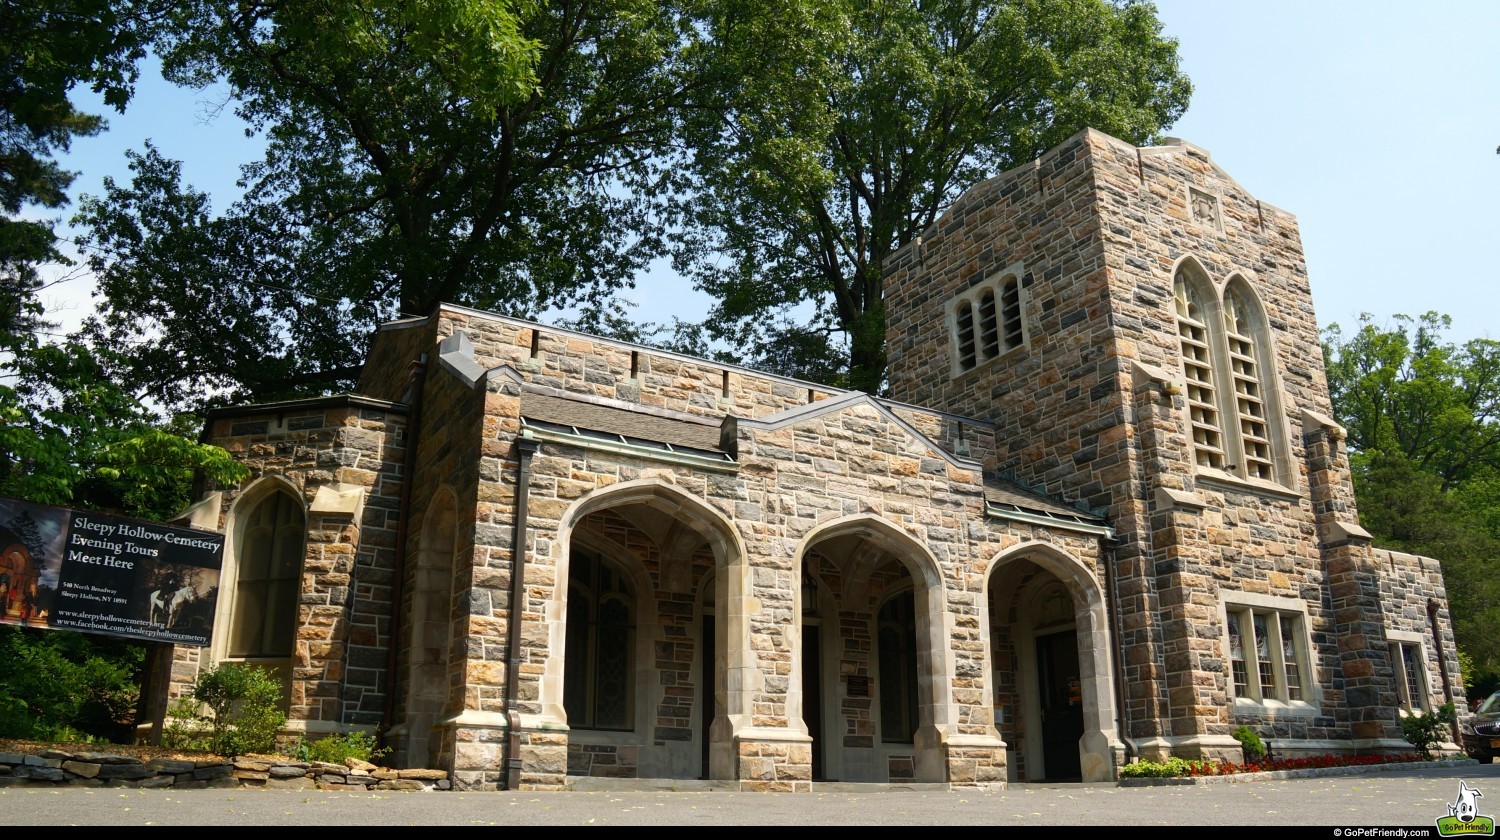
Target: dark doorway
812, 695
1062, 705
706, 648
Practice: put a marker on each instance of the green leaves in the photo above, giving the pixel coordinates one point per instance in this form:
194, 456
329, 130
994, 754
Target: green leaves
70, 436
244, 711
45, 50
506, 155
1426, 730
67, 686
1407, 393
891, 110
1423, 416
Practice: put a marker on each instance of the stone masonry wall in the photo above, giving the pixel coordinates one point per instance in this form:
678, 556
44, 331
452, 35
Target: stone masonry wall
1061, 423
385, 373
847, 463
446, 471
1098, 227
338, 663
1409, 585
1247, 539
587, 365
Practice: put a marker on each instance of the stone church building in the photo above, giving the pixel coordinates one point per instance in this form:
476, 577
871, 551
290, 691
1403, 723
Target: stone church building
1103, 513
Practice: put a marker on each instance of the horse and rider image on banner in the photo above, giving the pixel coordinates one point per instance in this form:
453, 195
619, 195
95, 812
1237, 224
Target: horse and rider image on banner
182, 599
96, 573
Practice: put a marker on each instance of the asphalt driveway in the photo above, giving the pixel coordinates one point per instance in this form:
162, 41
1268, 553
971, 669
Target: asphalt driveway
1410, 799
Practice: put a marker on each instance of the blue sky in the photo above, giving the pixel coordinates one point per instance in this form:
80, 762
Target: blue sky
1375, 123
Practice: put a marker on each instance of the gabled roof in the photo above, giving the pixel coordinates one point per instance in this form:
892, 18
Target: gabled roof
848, 400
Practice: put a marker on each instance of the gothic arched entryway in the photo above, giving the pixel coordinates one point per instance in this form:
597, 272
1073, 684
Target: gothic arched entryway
870, 684
1053, 691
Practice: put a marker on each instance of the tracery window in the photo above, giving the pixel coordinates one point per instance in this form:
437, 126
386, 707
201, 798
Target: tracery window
1249, 389
599, 660
1267, 649
1229, 372
1198, 368
989, 325
967, 357
988, 321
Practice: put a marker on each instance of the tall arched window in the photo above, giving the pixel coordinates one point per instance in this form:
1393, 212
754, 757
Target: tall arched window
1198, 369
599, 668
1010, 305
896, 638
1229, 369
1252, 364
966, 356
268, 578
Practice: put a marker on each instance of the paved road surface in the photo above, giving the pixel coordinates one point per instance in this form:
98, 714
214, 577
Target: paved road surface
1407, 798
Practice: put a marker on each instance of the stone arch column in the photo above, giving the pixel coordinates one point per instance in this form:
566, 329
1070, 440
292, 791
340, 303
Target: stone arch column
1090, 620
430, 653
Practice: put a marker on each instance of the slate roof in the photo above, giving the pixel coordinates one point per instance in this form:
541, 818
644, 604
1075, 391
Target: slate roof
632, 426
1004, 493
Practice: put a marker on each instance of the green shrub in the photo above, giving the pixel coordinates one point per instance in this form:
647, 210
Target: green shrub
186, 727
333, 749
242, 715
57, 685
1254, 747
1426, 730
1174, 766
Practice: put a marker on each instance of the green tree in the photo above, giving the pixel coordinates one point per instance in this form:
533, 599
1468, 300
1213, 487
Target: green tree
1403, 391
927, 99
1424, 443
233, 708
69, 436
47, 49
504, 155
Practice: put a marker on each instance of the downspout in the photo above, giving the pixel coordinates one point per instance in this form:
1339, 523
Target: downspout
1442, 658
414, 386
525, 448
1117, 657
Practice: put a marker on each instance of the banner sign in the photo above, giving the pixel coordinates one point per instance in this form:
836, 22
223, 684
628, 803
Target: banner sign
95, 573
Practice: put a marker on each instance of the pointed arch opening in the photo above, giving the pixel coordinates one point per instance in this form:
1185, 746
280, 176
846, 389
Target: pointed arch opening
1053, 690
875, 700
1251, 365
1193, 300
643, 658
263, 567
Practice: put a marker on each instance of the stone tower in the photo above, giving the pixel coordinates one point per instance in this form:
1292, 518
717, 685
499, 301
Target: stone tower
1140, 330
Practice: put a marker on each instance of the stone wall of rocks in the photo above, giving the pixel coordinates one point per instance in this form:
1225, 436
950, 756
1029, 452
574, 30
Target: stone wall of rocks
614, 369
1410, 587
350, 448
104, 769
439, 565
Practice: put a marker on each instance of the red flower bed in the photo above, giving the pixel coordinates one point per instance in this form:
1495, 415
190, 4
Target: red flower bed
1311, 762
